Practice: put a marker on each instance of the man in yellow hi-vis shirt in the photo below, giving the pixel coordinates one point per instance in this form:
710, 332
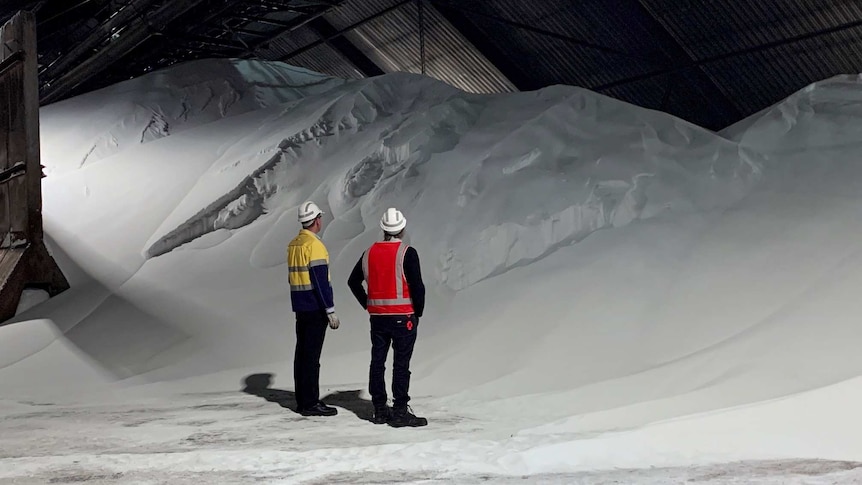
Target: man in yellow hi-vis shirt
312, 302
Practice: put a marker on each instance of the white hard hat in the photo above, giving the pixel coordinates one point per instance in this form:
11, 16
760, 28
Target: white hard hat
393, 221
308, 211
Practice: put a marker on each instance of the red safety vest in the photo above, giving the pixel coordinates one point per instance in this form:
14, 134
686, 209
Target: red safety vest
383, 265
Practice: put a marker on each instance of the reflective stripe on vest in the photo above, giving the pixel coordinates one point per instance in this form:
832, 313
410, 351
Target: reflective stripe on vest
401, 304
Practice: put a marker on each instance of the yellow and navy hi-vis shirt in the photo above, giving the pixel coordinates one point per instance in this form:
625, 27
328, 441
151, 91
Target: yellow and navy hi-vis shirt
308, 266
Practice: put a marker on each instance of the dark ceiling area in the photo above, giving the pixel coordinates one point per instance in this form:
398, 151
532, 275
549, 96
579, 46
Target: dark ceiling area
711, 62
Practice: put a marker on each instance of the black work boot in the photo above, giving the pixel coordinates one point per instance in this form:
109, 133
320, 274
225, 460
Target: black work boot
319, 409
402, 417
382, 415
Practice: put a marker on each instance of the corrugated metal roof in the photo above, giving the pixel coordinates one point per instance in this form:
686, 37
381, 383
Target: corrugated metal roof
671, 93
321, 58
761, 66
327, 60
352, 12
555, 60
647, 52
392, 41
281, 46
712, 28
711, 62
596, 45
759, 77
650, 92
691, 99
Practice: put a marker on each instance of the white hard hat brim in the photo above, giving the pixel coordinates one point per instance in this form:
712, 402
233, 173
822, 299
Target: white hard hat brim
313, 217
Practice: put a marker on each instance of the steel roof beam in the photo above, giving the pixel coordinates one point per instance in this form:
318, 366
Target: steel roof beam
537, 30
134, 9
303, 8
680, 53
732, 54
343, 31
131, 37
262, 20
300, 22
253, 33
346, 48
501, 60
63, 12
201, 39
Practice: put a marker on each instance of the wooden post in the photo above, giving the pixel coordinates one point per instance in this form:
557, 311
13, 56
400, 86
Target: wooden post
12, 107
24, 259
30, 88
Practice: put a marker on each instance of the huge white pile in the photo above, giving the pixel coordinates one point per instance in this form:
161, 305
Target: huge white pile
587, 260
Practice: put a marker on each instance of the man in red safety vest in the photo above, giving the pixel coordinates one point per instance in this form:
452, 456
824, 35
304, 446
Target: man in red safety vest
395, 301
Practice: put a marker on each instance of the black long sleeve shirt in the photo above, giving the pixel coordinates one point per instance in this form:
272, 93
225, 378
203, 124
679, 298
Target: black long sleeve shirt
412, 273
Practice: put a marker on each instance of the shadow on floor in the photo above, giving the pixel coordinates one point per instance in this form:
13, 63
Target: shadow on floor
260, 385
351, 401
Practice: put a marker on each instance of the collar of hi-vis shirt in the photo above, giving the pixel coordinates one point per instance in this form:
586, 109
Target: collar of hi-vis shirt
311, 233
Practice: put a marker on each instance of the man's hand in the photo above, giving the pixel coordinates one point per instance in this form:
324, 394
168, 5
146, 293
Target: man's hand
333, 320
